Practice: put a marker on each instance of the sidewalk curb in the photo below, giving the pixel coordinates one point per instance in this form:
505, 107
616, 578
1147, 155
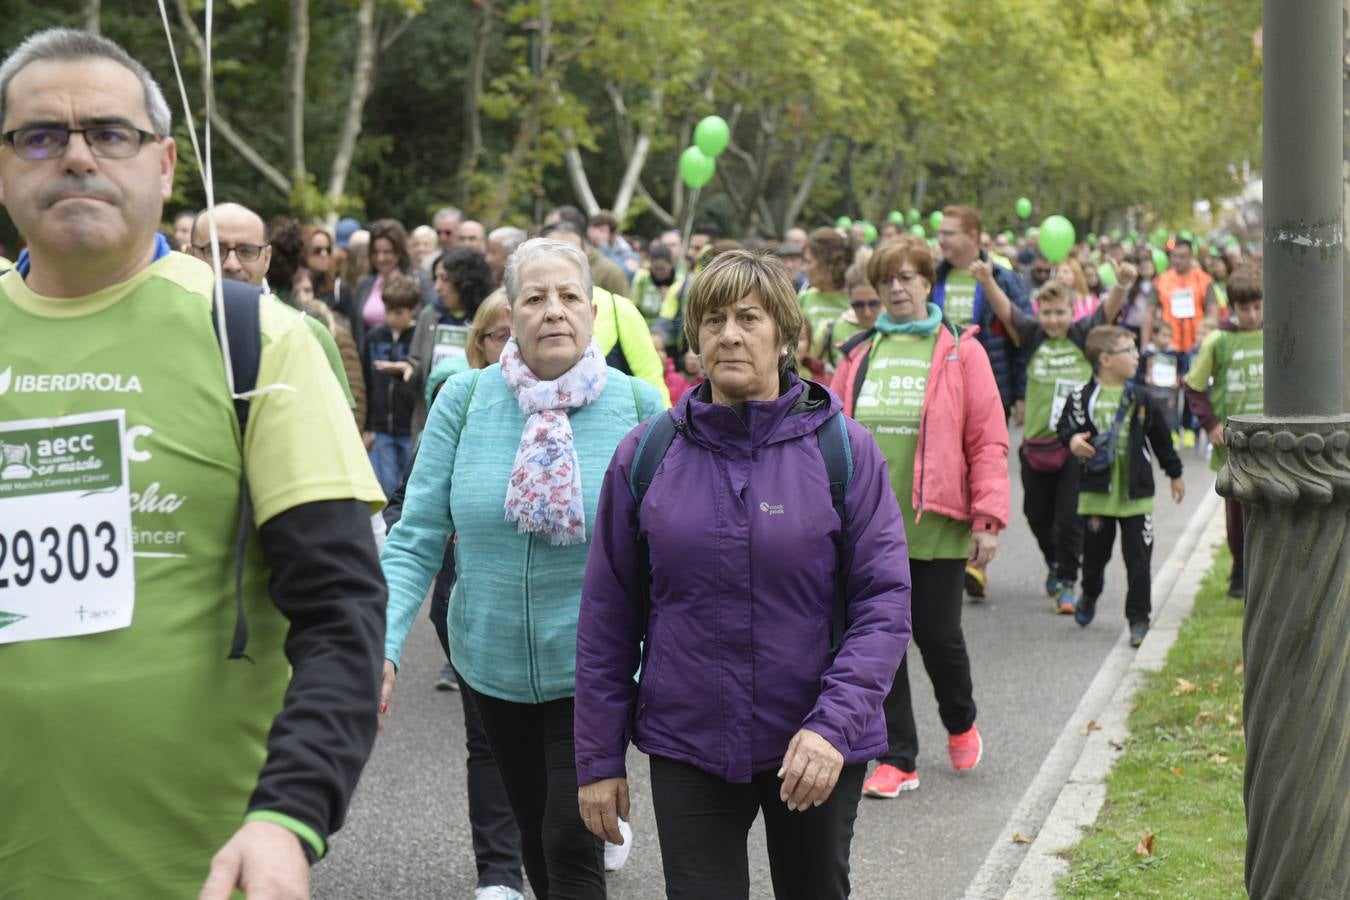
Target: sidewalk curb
1070, 787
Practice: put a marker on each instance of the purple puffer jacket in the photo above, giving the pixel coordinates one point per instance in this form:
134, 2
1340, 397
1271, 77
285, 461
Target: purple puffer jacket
740, 526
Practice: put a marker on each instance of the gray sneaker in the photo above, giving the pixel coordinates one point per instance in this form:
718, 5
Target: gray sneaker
1138, 631
446, 681
497, 892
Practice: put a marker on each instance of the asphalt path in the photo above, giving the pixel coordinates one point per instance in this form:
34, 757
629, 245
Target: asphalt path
407, 834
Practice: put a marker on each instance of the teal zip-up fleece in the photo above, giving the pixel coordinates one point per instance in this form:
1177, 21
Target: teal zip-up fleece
513, 610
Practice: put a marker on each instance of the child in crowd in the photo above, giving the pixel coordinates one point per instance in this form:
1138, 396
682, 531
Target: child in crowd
1053, 345
809, 368
676, 383
1106, 424
1160, 369
863, 312
1227, 379
391, 400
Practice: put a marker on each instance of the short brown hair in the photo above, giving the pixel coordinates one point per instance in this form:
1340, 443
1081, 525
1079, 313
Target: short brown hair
605, 219
1244, 285
736, 274
833, 251
889, 257
970, 219
1055, 292
856, 274
401, 291
1103, 339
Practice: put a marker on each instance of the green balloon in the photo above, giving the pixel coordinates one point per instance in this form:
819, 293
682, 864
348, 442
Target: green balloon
896, 216
1160, 261
917, 230
843, 222
1185, 235
1091, 239
712, 135
696, 167
869, 232
1232, 241
1023, 207
914, 216
1009, 236
1107, 273
1115, 234
1057, 237
935, 220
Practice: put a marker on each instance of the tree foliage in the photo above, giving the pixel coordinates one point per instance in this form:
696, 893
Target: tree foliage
849, 107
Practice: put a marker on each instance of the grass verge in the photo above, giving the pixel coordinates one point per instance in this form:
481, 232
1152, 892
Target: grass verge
1173, 824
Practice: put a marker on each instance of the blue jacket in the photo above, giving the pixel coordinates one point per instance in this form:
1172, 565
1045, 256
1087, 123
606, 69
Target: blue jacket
513, 611
1008, 362
740, 527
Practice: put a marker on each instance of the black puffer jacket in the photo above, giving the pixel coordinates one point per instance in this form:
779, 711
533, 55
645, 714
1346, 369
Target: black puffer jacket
1148, 418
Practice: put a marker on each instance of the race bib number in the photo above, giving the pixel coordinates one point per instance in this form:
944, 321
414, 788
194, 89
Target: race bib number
1164, 373
1063, 391
1183, 303
450, 341
65, 527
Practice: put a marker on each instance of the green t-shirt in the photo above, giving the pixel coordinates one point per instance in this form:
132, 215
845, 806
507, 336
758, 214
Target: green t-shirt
890, 405
1055, 371
1117, 503
1235, 360
826, 339
958, 298
819, 306
130, 754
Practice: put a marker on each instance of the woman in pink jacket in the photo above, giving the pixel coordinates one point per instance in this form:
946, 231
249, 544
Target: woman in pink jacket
927, 392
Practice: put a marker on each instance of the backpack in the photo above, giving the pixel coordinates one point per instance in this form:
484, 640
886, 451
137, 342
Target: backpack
832, 437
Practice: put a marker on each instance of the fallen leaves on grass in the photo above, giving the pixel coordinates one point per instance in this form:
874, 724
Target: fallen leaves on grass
1185, 687
1178, 771
1145, 845
1219, 759
1239, 669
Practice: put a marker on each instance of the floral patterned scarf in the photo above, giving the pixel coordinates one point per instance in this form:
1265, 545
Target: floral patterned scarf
544, 495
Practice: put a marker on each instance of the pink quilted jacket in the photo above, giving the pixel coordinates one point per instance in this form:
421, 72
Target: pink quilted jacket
961, 469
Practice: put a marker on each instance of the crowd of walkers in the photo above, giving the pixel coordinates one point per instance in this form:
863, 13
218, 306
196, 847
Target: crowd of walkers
691, 493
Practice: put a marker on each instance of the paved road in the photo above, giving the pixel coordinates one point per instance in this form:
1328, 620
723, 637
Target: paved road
407, 835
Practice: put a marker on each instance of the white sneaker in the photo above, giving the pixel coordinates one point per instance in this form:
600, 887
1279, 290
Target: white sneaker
497, 892
617, 854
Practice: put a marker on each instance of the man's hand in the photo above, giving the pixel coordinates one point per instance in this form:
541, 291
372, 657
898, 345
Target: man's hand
982, 271
387, 689
403, 370
983, 546
1080, 445
1178, 490
1019, 412
263, 860
1216, 436
1126, 276
603, 803
810, 771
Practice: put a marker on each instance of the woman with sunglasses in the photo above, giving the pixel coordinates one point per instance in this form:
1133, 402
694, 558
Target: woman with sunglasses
321, 261
864, 308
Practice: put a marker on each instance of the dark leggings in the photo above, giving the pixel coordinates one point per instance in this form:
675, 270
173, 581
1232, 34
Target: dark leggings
1050, 503
536, 755
1136, 545
935, 613
702, 823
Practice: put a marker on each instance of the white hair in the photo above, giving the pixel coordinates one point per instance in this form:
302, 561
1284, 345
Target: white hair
510, 238
423, 231
537, 248
72, 45
448, 212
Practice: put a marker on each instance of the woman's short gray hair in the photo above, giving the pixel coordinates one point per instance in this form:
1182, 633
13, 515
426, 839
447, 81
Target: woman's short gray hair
72, 45
538, 248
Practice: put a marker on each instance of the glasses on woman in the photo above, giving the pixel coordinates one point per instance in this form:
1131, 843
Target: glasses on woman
500, 336
865, 305
320, 251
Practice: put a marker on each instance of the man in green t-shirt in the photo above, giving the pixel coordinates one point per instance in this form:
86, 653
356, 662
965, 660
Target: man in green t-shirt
1227, 379
138, 758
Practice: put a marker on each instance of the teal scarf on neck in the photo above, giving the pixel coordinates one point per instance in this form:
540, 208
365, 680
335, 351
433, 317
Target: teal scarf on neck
921, 327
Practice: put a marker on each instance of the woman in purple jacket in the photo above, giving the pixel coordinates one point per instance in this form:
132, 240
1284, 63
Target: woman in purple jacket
742, 705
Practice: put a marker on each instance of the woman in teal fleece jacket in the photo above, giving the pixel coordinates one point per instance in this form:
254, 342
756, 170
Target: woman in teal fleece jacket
511, 465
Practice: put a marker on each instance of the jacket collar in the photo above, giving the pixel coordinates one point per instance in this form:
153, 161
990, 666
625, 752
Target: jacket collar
800, 408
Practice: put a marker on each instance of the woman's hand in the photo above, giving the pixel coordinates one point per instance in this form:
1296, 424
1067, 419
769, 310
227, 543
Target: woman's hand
810, 771
603, 803
983, 546
1081, 445
398, 369
387, 688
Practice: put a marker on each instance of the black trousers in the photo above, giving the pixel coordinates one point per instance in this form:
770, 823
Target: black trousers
935, 614
1232, 510
1050, 503
1136, 545
703, 822
536, 755
496, 839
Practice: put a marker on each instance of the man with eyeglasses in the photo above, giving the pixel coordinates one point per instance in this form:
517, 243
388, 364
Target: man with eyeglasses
142, 760
446, 221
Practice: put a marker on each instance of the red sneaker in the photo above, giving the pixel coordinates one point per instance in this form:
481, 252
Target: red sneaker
965, 749
887, 782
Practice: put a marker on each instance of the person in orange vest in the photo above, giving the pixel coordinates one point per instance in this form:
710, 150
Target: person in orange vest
1186, 298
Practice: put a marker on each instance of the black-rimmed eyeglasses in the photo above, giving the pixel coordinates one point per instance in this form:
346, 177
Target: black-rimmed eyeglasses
245, 252
51, 141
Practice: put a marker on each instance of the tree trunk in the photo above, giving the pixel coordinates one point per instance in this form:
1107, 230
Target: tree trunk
363, 77
297, 57
809, 182
471, 148
576, 171
90, 11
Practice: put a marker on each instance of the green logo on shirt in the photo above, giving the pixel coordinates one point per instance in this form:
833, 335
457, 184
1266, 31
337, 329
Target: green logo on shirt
9, 618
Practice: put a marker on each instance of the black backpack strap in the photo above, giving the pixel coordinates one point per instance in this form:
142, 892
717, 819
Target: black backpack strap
656, 440
838, 456
243, 328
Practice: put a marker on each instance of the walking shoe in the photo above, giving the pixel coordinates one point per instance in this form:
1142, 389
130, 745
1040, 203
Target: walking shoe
617, 854
1086, 609
888, 781
1236, 588
1066, 603
1138, 631
497, 892
445, 681
975, 582
965, 749
1052, 583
